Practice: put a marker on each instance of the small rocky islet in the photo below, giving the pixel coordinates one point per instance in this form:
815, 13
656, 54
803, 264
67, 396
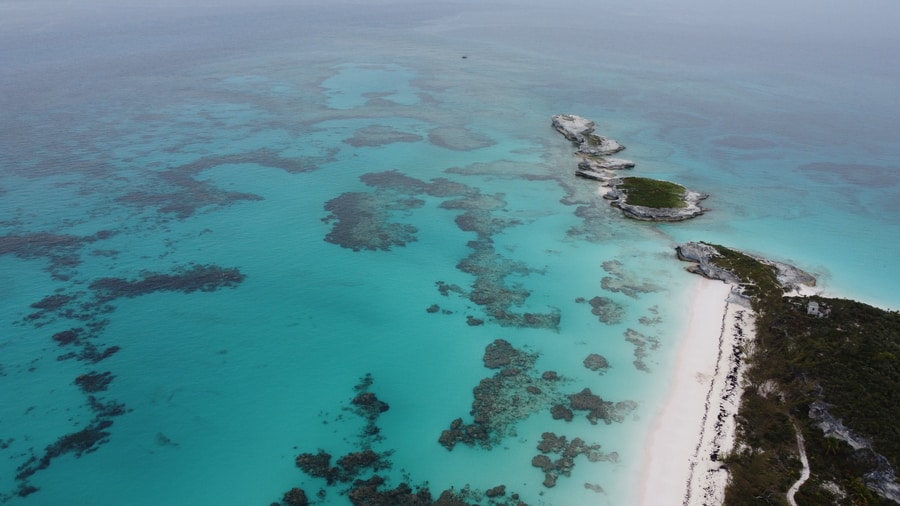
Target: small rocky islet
639, 198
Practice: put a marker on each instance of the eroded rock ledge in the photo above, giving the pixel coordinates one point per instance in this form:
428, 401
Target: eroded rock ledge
702, 255
594, 150
581, 131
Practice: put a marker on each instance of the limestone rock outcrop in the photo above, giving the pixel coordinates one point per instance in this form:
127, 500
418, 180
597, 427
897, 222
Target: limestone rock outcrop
701, 254
581, 131
594, 150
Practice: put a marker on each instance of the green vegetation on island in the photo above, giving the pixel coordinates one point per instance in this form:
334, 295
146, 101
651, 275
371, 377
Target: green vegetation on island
652, 193
639, 198
838, 357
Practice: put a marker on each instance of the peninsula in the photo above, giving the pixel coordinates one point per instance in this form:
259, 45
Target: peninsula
790, 406
638, 198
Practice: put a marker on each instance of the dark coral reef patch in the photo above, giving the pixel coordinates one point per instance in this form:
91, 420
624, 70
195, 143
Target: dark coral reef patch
89, 308
567, 450
364, 221
94, 381
596, 362
600, 409
356, 474
515, 392
380, 135
605, 309
177, 191
349, 467
204, 278
641, 343
62, 251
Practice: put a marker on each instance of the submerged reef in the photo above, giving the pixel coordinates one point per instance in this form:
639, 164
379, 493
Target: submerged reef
364, 221
593, 214
361, 221
86, 440
61, 250
93, 381
641, 342
624, 282
203, 278
176, 191
366, 405
74, 316
638, 198
600, 409
567, 450
596, 362
356, 474
78, 443
380, 135
458, 139
515, 392
90, 309
605, 309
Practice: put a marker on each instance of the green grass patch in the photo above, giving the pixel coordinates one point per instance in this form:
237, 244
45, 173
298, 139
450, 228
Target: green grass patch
653, 193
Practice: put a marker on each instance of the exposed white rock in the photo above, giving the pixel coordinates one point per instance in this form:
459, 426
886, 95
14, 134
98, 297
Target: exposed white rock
598, 145
702, 254
596, 164
789, 276
883, 479
600, 169
601, 175
832, 427
572, 127
580, 131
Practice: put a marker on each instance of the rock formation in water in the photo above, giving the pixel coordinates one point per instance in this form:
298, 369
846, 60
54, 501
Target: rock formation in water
580, 131
691, 208
594, 151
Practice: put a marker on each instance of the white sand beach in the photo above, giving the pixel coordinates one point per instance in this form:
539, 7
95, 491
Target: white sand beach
680, 468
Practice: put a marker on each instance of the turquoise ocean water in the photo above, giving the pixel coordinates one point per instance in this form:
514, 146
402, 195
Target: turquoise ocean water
219, 227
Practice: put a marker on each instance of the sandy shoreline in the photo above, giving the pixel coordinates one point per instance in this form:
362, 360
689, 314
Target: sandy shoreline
697, 420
